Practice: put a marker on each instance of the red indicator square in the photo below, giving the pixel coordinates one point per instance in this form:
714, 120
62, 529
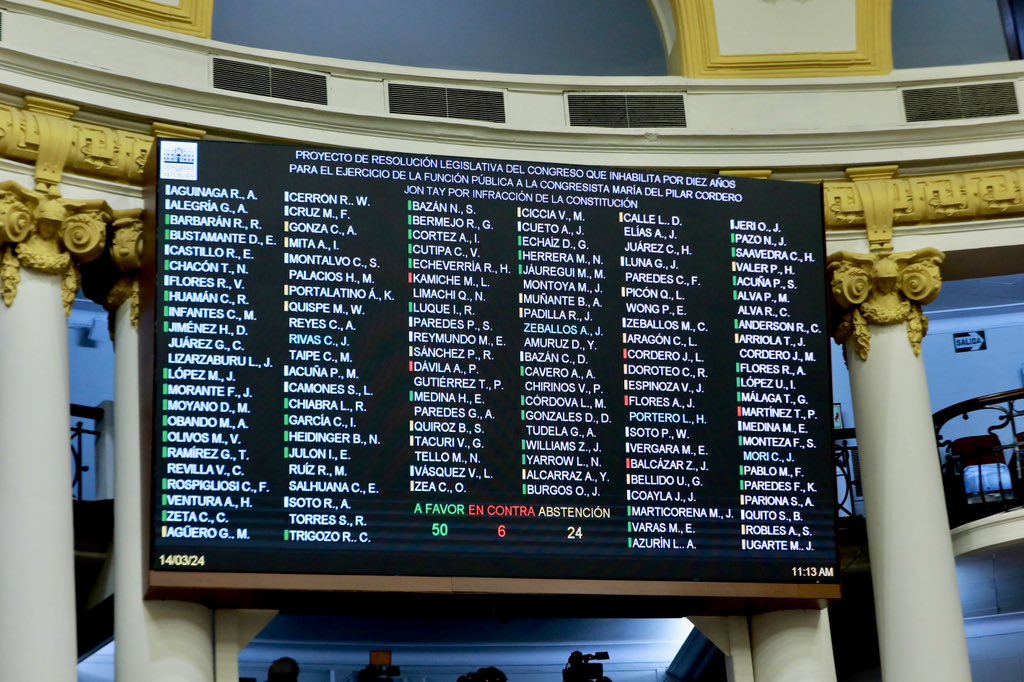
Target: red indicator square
625, 354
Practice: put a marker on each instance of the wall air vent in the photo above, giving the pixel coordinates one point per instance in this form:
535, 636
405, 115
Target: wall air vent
627, 111
269, 81
442, 102
960, 101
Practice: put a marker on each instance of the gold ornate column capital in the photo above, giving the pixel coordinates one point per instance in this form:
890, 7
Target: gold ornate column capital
126, 254
883, 289
49, 234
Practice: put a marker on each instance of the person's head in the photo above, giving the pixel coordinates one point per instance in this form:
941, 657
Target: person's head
283, 670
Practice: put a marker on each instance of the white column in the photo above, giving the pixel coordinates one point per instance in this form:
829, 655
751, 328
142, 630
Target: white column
155, 641
235, 629
917, 603
731, 634
792, 646
37, 574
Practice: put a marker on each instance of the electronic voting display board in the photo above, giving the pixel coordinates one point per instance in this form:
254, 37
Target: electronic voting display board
384, 364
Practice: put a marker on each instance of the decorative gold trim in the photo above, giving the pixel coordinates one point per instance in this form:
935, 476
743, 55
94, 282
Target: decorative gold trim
176, 132
44, 134
883, 289
702, 57
10, 275
754, 173
41, 231
191, 17
966, 196
126, 254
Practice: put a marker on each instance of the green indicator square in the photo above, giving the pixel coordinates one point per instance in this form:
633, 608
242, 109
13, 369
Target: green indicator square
164, 451
165, 266
524, 460
410, 234
165, 500
734, 295
410, 222
410, 396
520, 268
165, 437
520, 255
522, 371
167, 311
629, 511
286, 453
522, 400
735, 324
163, 484
167, 296
165, 420
286, 420
408, 205
732, 238
522, 414
285, 404
167, 219
522, 444
164, 389
167, 373
166, 403
630, 542
286, 535
410, 263
167, 234
629, 526
410, 306
410, 248
741, 469
287, 436
739, 384
520, 240
734, 280
743, 484
737, 369
167, 327
163, 516
734, 252
524, 488
739, 439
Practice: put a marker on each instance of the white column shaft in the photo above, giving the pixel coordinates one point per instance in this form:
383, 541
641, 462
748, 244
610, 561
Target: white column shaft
37, 574
917, 603
792, 646
161, 641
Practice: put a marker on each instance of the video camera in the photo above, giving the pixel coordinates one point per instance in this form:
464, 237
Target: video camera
580, 669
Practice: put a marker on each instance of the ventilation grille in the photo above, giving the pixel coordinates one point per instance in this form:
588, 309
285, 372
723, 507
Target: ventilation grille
440, 102
269, 81
627, 111
960, 101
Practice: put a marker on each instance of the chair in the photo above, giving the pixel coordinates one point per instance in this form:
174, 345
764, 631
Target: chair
983, 466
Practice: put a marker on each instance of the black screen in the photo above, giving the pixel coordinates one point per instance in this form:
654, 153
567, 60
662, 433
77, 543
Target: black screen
393, 364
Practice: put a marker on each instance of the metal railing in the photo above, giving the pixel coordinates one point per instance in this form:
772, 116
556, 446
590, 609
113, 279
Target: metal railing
981, 449
83, 443
849, 493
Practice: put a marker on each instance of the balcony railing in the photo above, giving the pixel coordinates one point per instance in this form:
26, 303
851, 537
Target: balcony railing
980, 445
83, 444
981, 449
849, 493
